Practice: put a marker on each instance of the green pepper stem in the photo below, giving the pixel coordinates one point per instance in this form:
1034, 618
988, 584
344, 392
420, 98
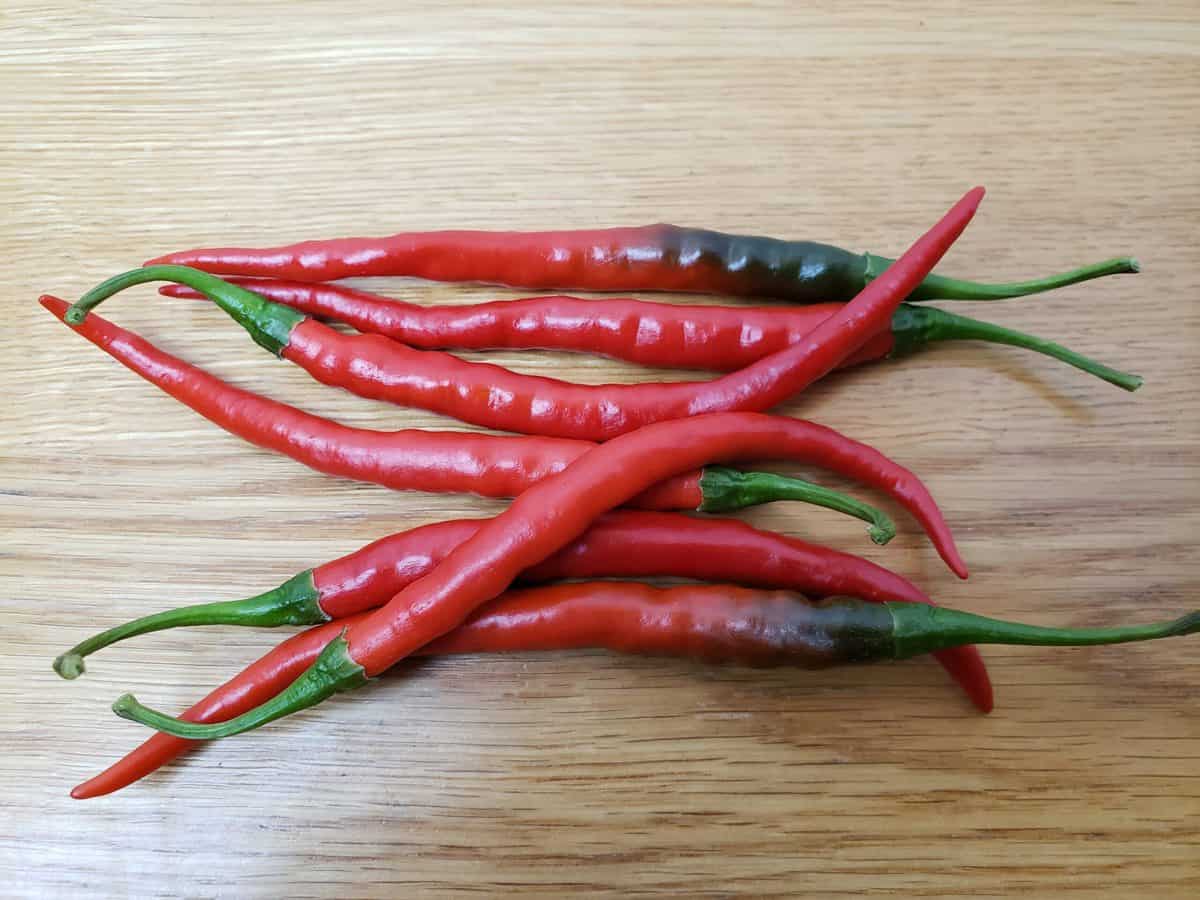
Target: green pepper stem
916, 326
269, 323
727, 490
938, 287
295, 602
333, 671
924, 629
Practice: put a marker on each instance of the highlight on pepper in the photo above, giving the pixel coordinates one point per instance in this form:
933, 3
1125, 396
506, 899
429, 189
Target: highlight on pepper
599, 476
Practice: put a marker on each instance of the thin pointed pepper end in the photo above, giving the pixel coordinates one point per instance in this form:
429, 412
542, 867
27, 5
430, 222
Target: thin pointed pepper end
959, 566
333, 672
966, 666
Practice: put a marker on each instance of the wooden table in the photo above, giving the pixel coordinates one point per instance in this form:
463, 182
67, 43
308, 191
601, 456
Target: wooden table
125, 135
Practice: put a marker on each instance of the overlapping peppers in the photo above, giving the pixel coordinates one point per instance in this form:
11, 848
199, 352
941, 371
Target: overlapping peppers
444, 589
648, 258
666, 335
558, 509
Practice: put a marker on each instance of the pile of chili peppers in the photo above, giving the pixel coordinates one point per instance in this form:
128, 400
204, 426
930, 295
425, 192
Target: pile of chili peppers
601, 476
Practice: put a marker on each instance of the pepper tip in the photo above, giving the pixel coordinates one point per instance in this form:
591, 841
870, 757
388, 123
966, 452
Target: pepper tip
947, 550
985, 703
94, 787
55, 305
958, 566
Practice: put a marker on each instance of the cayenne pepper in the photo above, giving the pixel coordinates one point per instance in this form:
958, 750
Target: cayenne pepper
540, 522
497, 466
710, 623
650, 258
666, 335
619, 544
554, 512
380, 369
632, 618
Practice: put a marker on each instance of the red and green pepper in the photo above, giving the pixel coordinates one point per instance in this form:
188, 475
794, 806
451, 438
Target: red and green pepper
649, 258
445, 589
710, 622
620, 544
379, 369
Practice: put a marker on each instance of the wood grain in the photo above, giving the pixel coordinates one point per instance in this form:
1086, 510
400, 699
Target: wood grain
125, 134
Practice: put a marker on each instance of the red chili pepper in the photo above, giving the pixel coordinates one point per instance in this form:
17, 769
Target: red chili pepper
550, 515
668, 335
709, 622
496, 466
620, 544
255, 684
377, 368
411, 459
650, 258
541, 521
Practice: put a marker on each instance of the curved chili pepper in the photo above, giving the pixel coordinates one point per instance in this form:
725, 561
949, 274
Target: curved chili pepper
650, 258
505, 466
377, 368
554, 512
436, 461
619, 544
714, 623
669, 335
255, 684
752, 627
488, 629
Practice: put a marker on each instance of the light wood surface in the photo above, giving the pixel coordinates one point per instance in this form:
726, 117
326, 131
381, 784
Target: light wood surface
125, 134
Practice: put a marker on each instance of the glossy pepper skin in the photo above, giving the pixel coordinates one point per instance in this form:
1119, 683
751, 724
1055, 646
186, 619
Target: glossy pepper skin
556, 511
445, 462
713, 623
619, 544
666, 335
537, 524
379, 369
492, 465
648, 258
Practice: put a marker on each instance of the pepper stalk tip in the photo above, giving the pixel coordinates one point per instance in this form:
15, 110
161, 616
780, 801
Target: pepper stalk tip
69, 665
334, 671
1184, 625
124, 706
882, 532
